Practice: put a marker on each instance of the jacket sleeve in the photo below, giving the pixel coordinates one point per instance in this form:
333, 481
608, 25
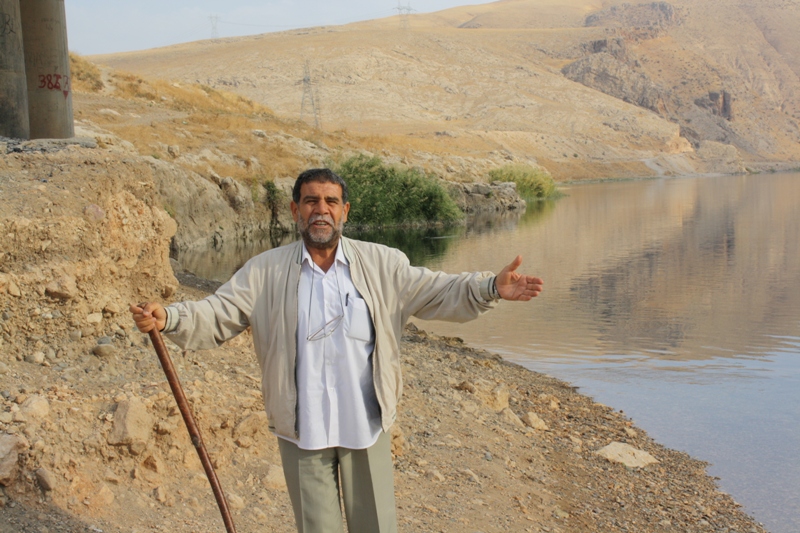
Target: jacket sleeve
208, 323
433, 295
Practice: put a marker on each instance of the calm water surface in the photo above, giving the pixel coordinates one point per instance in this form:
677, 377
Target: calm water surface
676, 301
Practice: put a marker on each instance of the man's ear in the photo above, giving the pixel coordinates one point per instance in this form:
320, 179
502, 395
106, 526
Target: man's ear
294, 210
345, 211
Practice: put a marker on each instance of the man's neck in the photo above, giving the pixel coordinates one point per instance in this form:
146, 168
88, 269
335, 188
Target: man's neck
323, 257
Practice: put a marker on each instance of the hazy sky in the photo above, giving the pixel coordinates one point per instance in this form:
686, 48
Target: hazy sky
105, 26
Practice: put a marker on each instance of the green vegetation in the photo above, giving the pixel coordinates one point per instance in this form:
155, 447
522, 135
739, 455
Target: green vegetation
533, 183
382, 195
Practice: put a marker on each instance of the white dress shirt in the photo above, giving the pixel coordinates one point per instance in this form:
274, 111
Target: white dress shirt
336, 403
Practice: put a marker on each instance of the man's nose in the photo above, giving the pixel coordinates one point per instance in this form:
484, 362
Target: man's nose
322, 207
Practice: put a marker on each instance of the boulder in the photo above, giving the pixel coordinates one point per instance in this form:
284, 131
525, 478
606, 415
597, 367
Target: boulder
626, 454
10, 448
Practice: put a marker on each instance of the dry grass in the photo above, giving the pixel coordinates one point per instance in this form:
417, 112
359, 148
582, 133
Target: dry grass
208, 130
86, 76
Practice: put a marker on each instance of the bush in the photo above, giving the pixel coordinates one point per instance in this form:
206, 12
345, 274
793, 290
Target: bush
383, 195
532, 183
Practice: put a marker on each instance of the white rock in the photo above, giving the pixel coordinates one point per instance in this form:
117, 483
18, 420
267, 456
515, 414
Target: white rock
35, 407
532, 420
626, 454
94, 318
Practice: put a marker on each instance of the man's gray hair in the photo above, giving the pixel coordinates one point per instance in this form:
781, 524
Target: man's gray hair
324, 175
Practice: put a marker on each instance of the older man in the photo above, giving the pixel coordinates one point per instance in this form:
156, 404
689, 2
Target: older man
327, 315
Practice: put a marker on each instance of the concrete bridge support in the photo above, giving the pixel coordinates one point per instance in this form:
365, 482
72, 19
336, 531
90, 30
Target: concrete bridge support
14, 120
44, 35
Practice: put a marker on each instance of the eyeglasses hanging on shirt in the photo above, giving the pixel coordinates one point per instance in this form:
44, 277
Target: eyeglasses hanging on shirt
330, 326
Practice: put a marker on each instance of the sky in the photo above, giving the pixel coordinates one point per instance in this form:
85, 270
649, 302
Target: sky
107, 26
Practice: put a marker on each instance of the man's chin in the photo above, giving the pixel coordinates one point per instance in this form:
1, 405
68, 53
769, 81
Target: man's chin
321, 240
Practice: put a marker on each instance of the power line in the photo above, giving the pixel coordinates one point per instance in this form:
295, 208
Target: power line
214, 22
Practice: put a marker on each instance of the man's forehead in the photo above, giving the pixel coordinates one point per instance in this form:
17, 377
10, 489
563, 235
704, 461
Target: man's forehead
324, 189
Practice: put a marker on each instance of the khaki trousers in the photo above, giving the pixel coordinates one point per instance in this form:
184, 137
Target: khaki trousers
367, 487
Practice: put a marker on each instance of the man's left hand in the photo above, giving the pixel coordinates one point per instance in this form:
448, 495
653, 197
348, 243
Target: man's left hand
514, 286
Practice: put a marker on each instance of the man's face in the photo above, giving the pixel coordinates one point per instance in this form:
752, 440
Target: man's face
320, 215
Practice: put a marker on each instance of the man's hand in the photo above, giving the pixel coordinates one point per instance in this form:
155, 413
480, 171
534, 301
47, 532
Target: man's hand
148, 316
514, 286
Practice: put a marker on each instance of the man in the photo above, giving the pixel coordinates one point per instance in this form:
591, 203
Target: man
327, 314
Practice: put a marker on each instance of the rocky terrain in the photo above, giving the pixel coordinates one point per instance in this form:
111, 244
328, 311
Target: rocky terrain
91, 439
584, 89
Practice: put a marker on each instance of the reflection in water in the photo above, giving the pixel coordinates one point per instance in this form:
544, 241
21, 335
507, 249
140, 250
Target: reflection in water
677, 301
421, 245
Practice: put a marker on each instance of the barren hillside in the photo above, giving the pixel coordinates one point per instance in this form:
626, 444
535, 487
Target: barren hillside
587, 89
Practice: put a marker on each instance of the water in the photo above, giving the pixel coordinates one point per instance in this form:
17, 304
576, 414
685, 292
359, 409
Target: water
674, 300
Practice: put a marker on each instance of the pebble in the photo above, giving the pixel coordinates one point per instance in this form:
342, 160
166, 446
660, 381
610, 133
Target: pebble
75, 335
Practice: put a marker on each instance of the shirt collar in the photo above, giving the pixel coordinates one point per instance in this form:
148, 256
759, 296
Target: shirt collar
340, 257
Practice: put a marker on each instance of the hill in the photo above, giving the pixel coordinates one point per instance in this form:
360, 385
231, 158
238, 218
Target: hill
585, 89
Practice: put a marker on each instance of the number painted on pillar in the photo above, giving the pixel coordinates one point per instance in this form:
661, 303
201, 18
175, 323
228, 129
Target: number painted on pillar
55, 82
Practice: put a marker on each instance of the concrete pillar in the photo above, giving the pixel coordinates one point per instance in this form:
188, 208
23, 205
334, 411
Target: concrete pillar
13, 87
44, 33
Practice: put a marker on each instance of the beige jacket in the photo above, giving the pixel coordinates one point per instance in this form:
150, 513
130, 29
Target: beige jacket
263, 295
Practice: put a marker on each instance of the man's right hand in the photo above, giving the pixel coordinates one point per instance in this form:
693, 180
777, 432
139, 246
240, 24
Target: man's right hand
148, 316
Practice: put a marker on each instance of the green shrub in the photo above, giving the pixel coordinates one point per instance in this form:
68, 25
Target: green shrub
384, 195
532, 183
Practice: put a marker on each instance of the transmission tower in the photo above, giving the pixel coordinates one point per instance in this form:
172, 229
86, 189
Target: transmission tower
310, 96
404, 11
214, 23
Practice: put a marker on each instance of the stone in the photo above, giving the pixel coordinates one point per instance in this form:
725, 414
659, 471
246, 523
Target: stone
250, 425
435, 475
13, 289
35, 358
235, 501
45, 479
511, 417
10, 448
94, 212
532, 420
133, 425
64, 288
35, 407
626, 454
104, 350
275, 478
160, 494
75, 335
94, 318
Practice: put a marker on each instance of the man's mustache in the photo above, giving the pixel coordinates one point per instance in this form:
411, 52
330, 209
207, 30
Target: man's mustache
325, 218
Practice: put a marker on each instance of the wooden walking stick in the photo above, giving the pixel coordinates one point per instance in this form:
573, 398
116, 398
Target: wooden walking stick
194, 432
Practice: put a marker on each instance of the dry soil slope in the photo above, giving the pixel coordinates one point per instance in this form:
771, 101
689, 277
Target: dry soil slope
491, 73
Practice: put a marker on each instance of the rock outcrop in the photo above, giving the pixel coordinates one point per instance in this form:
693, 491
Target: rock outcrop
606, 73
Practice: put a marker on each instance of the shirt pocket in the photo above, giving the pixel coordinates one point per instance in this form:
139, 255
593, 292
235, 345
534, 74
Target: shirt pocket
359, 323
